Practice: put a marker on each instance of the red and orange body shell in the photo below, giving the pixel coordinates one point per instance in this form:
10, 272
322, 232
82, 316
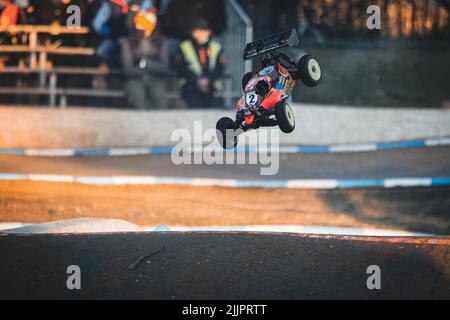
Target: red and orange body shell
278, 91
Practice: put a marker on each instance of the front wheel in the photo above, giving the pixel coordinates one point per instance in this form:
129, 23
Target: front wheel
310, 71
285, 117
226, 133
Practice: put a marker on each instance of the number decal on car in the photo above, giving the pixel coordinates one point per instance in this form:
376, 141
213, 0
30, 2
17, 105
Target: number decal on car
252, 98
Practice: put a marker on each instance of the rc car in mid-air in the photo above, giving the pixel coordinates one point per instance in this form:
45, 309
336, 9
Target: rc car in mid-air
266, 92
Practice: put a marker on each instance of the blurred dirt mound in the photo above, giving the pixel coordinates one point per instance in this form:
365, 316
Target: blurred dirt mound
223, 266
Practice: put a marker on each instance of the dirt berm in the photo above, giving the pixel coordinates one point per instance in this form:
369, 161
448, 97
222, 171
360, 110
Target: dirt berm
223, 266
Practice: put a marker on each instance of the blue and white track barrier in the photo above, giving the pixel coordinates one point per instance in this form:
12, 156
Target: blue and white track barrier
300, 229
326, 184
322, 230
282, 149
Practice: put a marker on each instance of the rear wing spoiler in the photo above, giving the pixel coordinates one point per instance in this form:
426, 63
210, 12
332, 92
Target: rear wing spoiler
277, 41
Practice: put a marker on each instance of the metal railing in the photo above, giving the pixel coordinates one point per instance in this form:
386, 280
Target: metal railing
239, 32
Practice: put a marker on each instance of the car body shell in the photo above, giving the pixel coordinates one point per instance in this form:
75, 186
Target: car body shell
280, 86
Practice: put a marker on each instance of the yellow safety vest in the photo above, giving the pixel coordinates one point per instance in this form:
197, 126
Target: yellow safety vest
190, 55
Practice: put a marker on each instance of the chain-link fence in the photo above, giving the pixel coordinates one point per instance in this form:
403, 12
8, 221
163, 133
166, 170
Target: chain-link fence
238, 33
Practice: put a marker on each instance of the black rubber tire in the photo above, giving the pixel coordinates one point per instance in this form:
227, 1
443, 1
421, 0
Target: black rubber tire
246, 78
224, 136
285, 117
309, 70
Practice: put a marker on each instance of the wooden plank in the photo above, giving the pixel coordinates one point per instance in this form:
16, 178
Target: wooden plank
28, 91
62, 91
48, 50
63, 71
54, 30
95, 93
86, 71
72, 51
16, 49
16, 70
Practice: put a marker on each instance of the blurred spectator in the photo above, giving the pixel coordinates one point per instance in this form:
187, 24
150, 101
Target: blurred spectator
9, 13
178, 14
145, 63
283, 14
22, 15
110, 24
47, 12
200, 65
312, 30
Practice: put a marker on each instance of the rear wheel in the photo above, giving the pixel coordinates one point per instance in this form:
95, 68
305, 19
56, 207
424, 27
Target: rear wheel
285, 117
310, 71
226, 133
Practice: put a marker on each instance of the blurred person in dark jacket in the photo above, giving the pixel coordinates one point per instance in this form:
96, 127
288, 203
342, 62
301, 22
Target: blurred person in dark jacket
145, 63
200, 65
110, 23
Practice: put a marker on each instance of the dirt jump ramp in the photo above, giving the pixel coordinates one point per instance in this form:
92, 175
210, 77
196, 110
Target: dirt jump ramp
223, 266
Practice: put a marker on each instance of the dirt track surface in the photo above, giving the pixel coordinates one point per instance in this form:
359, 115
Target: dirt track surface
222, 266
420, 210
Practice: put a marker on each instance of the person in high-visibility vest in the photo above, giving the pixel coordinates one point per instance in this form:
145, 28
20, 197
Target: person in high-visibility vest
200, 64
